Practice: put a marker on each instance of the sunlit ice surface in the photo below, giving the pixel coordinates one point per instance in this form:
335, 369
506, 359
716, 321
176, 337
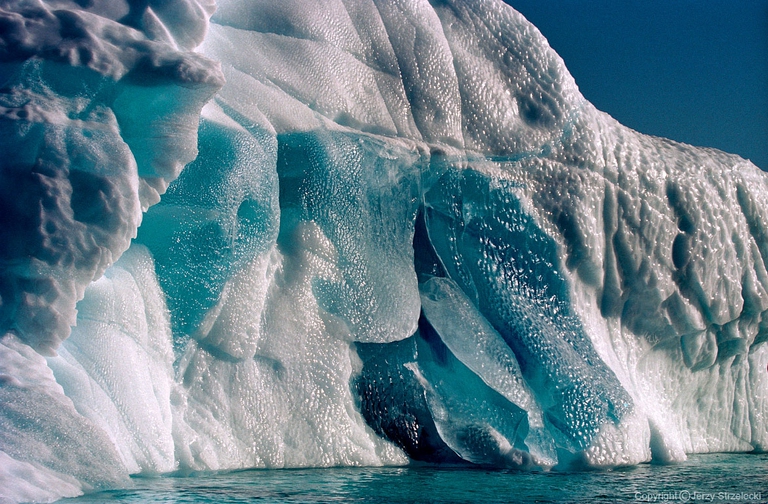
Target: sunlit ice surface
354, 234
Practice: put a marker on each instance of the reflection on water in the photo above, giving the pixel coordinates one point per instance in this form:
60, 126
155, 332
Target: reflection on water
703, 478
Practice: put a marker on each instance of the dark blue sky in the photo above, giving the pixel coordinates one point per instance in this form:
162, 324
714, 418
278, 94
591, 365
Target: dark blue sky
691, 70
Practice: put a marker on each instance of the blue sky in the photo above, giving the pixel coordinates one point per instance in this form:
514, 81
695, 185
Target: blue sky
691, 70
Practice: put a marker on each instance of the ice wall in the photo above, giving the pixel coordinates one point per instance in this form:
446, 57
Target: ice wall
99, 111
406, 236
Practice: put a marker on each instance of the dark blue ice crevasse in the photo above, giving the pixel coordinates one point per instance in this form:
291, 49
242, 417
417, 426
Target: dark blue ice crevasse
509, 375
468, 336
509, 267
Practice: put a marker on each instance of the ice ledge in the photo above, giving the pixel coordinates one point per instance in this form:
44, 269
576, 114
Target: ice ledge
99, 110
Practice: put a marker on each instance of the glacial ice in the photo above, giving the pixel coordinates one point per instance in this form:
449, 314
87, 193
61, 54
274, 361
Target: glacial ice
99, 112
400, 233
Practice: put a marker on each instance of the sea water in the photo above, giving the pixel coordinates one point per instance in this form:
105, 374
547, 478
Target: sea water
702, 478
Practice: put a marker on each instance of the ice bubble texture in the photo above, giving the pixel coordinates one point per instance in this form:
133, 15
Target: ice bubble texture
400, 233
88, 136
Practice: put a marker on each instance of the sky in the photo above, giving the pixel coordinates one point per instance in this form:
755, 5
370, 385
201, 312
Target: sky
695, 71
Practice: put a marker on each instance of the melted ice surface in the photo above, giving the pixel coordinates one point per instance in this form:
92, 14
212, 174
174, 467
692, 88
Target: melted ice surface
406, 236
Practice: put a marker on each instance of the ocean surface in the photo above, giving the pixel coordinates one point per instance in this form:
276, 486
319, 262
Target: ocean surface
703, 478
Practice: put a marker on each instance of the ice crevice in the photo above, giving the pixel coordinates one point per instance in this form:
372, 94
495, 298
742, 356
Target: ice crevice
400, 233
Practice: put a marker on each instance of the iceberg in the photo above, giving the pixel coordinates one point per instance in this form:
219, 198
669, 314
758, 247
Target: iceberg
353, 232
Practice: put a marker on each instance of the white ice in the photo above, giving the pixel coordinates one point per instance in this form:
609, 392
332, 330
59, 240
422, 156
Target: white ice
348, 112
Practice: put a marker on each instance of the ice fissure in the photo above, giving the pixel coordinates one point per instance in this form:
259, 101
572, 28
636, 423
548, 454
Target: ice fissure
400, 233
